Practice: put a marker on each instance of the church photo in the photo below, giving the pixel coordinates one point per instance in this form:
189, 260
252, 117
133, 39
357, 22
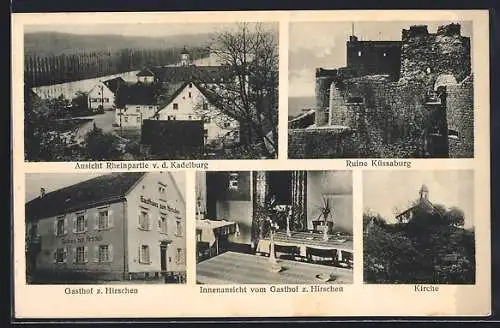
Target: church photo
418, 227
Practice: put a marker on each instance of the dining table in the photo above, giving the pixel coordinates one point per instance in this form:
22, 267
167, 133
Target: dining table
210, 231
241, 268
302, 239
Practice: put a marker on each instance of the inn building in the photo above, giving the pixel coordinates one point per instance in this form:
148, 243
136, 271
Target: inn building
119, 226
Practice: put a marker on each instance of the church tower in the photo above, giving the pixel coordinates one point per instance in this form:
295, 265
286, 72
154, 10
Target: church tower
185, 60
424, 193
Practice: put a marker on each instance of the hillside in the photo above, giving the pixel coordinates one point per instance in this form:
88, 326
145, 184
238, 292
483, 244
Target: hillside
54, 43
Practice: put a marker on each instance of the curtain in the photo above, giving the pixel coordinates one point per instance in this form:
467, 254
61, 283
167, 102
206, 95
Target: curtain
299, 201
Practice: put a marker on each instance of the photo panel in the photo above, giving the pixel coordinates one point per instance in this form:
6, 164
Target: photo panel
270, 227
135, 91
114, 228
381, 89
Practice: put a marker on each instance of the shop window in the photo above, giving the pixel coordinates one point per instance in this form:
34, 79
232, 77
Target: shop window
80, 224
233, 181
144, 220
144, 256
176, 106
61, 255
178, 228
81, 254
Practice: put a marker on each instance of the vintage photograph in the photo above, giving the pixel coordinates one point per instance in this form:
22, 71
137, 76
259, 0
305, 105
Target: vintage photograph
380, 89
419, 227
151, 91
274, 227
93, 228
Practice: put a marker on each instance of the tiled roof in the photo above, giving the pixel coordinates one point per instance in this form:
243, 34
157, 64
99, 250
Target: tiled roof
113, 84
200, 74
101, 190
138, 94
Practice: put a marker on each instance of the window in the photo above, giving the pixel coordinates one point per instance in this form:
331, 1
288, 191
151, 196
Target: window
384, 54
189, 94
176, 106
81, 254
205, 106
150, 107
103, 220
206, 132
226, 124
206, 119
61, 227
138, 109
359, 53
233, 181
80, 224
162, 224
144, 256
190, 85
103, 253
452, 134
125, 119
189, 117
144, 220
236, 134
178, 228
60, 255
162, 189
178, 256
138, 119
106, 100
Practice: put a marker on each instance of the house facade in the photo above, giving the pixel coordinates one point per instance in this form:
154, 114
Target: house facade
102, 95
190, 103
137, 103
120, 226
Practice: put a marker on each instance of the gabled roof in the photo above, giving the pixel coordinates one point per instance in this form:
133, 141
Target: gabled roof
113, 84
89, 193
422, 203
201, 74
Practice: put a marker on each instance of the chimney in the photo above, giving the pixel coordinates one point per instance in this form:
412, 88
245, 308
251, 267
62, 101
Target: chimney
42, 192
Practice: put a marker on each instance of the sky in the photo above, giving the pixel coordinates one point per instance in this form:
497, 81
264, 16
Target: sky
135, 29
323, 44
54, 181
383, 191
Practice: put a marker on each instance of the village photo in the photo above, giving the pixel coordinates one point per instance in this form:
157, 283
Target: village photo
419, 227
151, 91
274, 227
94, 228
380, 90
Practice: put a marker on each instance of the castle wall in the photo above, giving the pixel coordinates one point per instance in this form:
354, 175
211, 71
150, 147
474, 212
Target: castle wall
324, 79
321, 143
374, 57
460, 118
424, 56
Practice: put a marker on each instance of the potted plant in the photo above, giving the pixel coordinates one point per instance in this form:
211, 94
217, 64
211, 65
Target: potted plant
325, 211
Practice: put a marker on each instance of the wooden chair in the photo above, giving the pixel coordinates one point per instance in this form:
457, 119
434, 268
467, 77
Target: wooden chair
347, 259
330, 254
286, 251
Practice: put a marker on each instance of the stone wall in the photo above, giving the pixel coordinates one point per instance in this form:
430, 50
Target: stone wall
424, 56
321, 143
460, 117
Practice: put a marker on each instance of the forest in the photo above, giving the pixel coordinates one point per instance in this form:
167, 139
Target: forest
433, 248
54, 69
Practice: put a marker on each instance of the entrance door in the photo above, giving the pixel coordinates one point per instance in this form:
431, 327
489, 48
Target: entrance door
163, 258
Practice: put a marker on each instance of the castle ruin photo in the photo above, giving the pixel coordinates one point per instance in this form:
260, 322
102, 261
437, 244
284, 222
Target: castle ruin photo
411, 98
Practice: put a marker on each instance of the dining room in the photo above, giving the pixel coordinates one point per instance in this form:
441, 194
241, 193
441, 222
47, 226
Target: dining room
274, 227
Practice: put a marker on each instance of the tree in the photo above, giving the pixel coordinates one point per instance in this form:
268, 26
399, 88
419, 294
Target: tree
80, 101
102, 146
250, 53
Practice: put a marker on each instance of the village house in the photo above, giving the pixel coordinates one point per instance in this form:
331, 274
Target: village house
119, 226
138, 103
102, 95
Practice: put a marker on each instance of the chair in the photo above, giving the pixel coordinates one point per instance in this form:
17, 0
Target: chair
286, 251
331, 254
347, 259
